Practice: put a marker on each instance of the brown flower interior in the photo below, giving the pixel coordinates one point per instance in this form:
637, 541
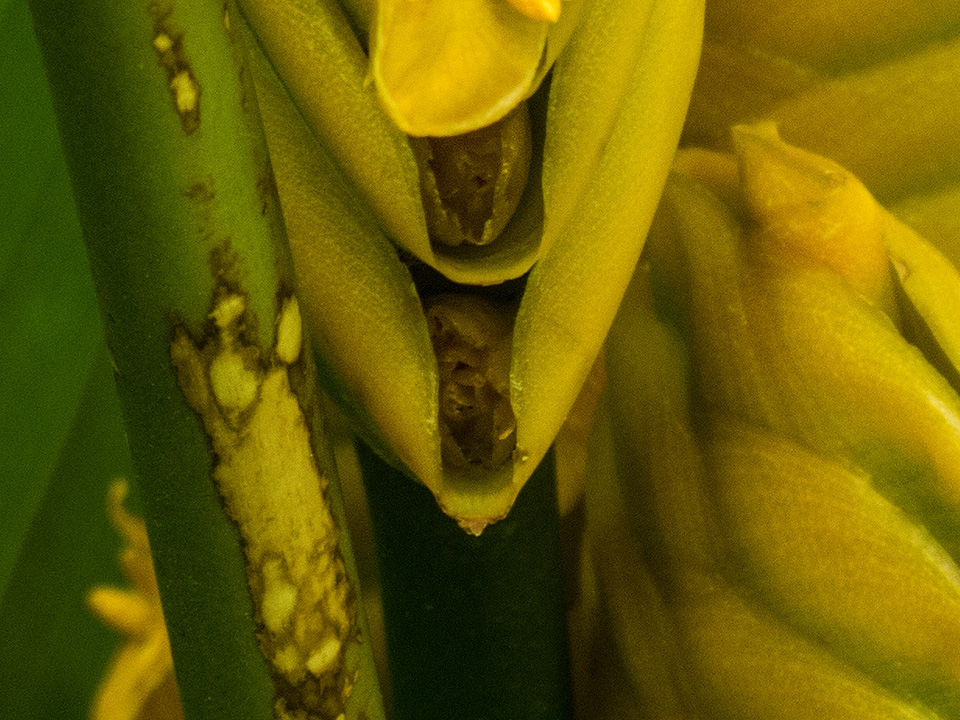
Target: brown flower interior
471, 184
471, 337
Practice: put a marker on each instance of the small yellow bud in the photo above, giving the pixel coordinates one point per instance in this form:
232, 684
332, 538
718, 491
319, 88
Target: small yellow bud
836, 557
809, 210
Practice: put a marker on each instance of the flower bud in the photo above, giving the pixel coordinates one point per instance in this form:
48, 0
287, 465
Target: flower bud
570, 248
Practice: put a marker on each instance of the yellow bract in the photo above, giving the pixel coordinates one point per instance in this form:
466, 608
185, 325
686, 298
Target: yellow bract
786, 455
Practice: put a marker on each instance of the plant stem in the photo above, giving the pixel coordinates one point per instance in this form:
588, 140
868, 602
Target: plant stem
476, 626
177, 201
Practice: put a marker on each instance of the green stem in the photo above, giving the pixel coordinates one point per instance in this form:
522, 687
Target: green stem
476, 626
179, 211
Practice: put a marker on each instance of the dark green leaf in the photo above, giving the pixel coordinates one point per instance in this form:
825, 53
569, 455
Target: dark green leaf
53, 649
48, 314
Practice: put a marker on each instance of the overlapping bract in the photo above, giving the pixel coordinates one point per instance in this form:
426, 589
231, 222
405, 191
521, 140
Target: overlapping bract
787, 459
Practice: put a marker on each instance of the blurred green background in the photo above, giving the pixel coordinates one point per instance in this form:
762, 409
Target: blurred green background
61, 438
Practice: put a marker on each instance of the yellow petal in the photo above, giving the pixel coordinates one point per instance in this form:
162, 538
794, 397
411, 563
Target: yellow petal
138, 673
445, 67
660, 461
139, 684
311, 46
573, 292
793, 347
736, 84
640, 625
934, 216
831, 32
126, 611
358, 297
850, 361
890, 125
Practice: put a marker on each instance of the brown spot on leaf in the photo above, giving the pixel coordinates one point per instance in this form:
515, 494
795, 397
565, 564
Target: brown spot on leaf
472, 338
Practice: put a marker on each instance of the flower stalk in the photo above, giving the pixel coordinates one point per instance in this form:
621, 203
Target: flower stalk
476, 626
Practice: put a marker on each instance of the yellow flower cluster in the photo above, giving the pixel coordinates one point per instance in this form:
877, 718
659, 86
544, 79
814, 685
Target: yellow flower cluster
776, 531
139, 684
774, 526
